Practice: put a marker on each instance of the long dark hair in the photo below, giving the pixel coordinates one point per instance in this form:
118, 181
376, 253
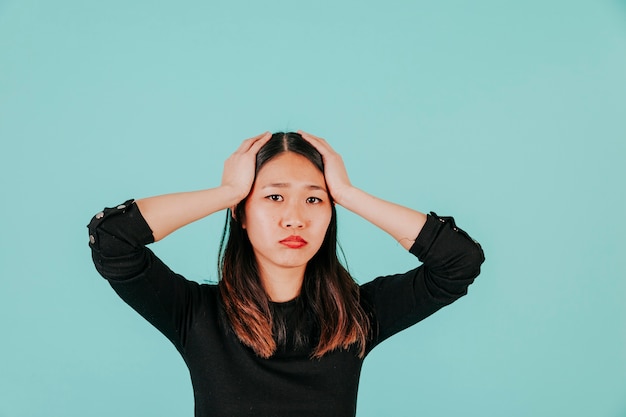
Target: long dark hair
329, 297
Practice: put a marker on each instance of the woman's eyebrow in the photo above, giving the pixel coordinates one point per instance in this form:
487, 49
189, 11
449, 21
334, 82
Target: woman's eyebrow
287, 185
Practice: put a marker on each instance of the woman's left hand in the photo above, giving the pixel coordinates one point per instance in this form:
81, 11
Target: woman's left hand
400, 222
334, 169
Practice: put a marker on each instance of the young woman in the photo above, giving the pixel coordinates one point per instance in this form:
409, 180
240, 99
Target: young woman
286, 329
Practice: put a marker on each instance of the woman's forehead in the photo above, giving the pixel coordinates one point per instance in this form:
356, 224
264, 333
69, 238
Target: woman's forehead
289, 169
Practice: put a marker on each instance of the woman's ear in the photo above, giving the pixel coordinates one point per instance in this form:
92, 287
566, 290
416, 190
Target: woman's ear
233, 213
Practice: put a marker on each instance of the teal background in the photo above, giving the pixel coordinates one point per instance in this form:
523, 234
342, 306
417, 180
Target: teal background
511, 116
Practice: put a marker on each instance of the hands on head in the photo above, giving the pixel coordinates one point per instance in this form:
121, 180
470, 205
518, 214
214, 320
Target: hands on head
334, 169
169, 212
240, 167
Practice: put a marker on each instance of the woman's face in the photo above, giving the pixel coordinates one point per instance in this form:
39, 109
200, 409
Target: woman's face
287, 212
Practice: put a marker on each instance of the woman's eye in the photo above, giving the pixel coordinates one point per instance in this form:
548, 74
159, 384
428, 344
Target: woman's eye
275, 197
313, 200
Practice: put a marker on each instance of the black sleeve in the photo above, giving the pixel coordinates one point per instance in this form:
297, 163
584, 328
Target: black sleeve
117, 237
451, 260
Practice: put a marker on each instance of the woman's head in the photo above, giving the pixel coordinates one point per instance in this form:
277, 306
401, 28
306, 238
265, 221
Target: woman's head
288, 205
288, 212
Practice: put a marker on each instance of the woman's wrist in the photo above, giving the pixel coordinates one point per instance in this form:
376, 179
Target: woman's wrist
348, 197
231, 195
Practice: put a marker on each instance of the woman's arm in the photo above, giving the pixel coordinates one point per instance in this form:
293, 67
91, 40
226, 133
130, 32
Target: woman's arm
402, 223
451, 259
118, 237
167, 213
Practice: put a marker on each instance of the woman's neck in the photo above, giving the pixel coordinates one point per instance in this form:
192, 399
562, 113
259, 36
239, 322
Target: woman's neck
282, 284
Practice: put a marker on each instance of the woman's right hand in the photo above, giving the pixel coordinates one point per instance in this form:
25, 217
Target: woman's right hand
240, 167
169, 212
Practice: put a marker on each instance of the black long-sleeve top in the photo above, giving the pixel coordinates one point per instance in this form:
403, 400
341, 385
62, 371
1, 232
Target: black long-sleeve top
228, 378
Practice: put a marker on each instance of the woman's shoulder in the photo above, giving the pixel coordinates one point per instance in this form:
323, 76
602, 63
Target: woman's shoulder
210, 288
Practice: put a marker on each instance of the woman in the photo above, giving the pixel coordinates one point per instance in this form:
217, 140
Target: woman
285, 331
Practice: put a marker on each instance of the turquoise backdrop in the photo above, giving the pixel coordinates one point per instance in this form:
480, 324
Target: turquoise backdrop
509, 115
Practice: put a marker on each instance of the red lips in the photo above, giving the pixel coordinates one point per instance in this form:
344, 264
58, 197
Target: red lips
293, 242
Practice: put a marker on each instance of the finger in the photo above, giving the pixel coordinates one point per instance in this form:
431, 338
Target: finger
246, 144
260, 142
320, 144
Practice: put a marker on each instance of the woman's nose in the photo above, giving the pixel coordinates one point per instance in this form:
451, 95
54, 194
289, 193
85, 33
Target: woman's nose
292, 217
